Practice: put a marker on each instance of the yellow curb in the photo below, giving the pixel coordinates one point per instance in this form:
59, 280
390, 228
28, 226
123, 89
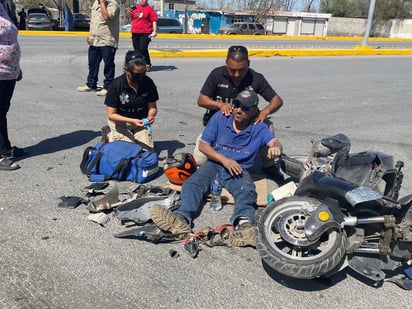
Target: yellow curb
215, 36
177, 52
283, 52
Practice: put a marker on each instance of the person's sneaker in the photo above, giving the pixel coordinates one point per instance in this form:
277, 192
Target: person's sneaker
168, 221
102, 92
243, 236
84, 88
105, 134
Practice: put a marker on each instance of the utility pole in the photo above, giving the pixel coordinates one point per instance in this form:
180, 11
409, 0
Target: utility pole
369, 23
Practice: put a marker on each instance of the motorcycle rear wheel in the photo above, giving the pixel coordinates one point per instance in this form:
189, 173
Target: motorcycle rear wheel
283, 246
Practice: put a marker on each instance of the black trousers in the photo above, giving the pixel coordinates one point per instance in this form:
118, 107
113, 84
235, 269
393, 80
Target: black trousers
141, 43
6, 92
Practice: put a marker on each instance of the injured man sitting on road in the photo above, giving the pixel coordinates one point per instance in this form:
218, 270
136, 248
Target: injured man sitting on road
231, 144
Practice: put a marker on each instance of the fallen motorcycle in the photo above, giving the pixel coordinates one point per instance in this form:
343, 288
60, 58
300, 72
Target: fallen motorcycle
345, 212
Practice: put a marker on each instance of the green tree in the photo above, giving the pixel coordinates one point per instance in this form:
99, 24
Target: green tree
384, 9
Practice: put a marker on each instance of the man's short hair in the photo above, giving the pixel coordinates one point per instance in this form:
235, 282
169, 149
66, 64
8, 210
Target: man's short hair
134, 58
237, 53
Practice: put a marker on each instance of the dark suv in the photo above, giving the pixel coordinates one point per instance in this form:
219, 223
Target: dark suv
243, 28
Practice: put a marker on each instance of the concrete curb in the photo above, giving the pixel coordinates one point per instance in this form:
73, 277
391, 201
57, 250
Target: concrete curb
356, 51
256, 52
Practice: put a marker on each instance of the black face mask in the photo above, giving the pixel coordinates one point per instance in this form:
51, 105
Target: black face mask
136, 78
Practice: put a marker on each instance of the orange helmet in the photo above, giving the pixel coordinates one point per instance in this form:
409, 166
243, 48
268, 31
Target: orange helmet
180, 167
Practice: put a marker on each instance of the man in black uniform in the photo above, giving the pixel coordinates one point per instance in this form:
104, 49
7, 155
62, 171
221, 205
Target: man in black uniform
131, 103
223, 85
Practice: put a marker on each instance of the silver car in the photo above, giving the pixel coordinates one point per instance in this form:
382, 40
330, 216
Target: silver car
38, 21
250, 28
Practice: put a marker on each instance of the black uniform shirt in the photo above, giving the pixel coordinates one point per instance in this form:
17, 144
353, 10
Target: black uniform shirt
219, 87
128, 102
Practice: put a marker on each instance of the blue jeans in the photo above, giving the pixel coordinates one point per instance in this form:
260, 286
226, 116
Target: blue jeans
197, 186
96, 55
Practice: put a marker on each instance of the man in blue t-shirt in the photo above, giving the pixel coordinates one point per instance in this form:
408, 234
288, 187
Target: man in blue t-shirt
231, 144
223, 85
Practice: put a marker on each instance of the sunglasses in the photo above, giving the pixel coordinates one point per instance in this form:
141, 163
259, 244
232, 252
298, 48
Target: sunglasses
238, 48
237, 104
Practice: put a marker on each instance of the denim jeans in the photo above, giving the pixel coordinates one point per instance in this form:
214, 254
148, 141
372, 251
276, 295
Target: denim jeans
197, 186
96, 55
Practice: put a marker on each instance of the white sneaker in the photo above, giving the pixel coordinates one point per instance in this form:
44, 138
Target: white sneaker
102, 92
84, 88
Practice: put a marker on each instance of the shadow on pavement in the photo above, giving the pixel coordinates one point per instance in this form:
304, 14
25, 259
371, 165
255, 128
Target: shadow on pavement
317, 284
61, 142
156, 68
169, 146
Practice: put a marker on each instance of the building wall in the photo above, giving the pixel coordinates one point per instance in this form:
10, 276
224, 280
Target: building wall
342, 26
401, 29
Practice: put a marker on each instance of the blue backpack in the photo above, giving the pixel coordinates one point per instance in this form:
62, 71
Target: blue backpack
119, 160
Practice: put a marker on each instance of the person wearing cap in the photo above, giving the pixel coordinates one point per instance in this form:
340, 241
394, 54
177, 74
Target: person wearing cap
231, 143
103, 41
222, 86
131, 103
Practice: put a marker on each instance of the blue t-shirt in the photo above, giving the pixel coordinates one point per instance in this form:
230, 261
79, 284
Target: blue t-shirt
241, 147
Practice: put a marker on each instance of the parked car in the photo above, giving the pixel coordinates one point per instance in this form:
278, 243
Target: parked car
38, 19
243, 28
81, 21
164, 25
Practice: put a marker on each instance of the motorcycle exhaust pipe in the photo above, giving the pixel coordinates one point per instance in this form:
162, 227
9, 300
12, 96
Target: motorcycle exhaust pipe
353, 221
367, 250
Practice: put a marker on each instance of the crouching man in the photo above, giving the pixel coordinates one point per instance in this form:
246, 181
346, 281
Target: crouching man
231, 144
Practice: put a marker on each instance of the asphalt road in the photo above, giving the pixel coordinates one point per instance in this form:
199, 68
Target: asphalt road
55, 258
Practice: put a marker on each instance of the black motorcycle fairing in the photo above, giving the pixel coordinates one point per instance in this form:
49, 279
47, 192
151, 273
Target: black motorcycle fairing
321, 186
315, 227
336, 142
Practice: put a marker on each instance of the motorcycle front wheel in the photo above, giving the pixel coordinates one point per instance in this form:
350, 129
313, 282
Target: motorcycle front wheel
282, 244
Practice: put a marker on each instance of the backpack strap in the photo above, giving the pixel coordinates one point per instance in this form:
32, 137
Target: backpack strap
94, 163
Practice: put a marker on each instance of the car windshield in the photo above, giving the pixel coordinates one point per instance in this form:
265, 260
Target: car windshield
38, 16
235, 25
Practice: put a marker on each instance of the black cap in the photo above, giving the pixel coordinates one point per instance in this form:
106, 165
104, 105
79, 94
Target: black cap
134, 57
247, 98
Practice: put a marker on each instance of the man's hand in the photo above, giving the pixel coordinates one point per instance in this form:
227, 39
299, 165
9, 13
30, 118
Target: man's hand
225, 108
274, 149
274, 152
232, 166
261, 117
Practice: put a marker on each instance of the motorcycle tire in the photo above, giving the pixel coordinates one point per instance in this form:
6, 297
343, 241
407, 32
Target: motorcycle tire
283, 246
293, 168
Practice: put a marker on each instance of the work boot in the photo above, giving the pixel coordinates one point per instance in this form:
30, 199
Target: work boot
169, 221
243, 236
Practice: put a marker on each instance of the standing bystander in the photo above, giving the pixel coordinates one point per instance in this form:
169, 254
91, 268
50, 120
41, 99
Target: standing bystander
10, 72
103, 41
144, 27
22, 21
